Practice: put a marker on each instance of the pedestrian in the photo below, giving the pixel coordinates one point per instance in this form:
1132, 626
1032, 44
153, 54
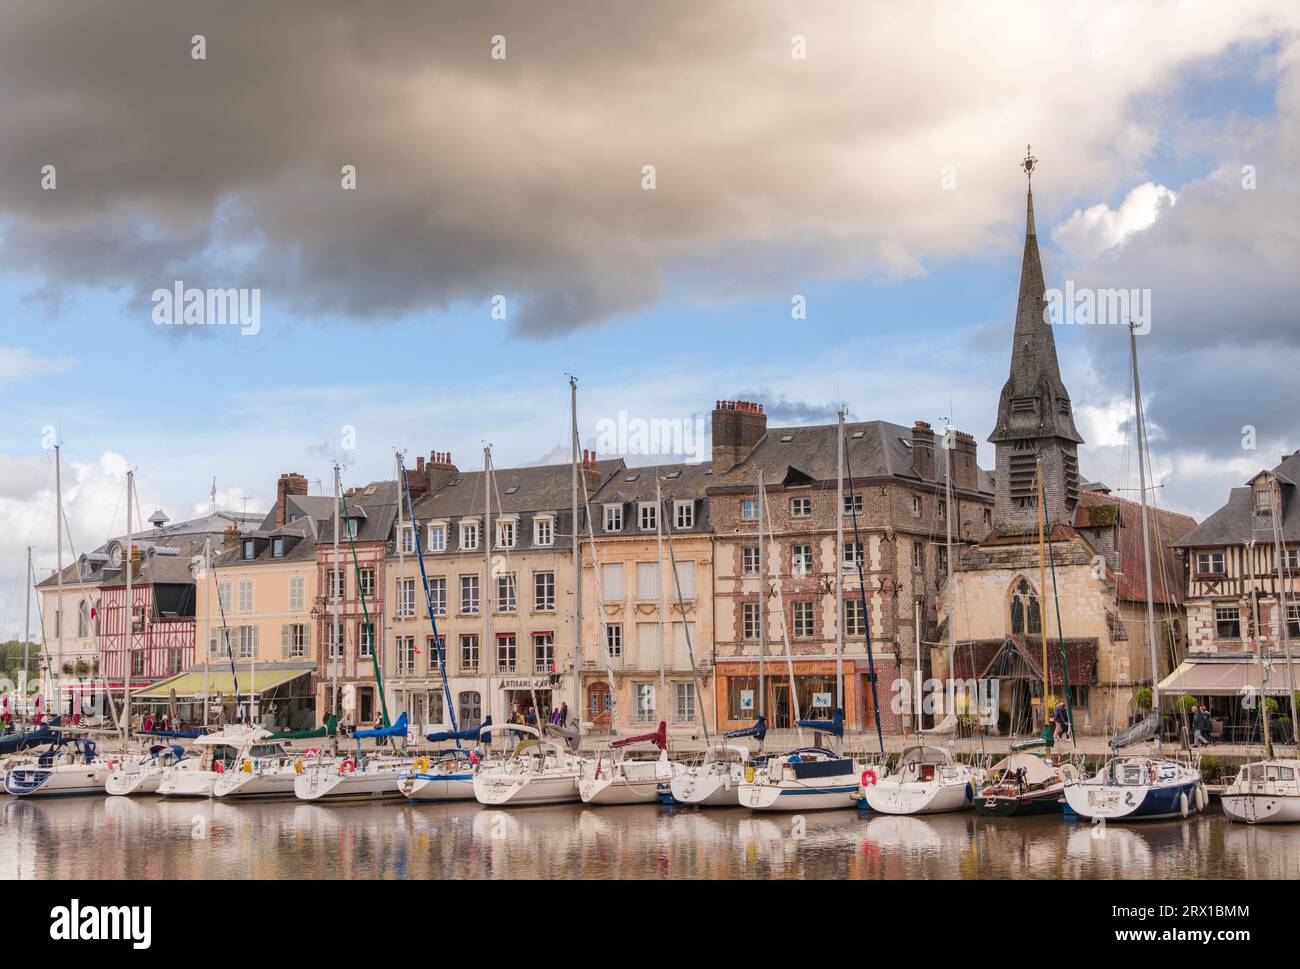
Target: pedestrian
1200, 726
531, 719
379, 725
564, 714
1062, 722
148, 722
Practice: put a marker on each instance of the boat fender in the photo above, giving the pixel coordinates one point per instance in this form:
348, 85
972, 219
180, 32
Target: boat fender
421, 765
868, 777
248, 766
219, 767
297, 766
1182, 803
473, 758
726, 781
749, 775
1200, 797
347, 767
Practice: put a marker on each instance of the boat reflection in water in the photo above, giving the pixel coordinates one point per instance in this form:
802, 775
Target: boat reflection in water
212, 838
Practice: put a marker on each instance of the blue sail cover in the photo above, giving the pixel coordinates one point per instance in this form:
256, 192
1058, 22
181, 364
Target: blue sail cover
398, 729
833, 726
176, 734
471, 734
21, 741
758, 730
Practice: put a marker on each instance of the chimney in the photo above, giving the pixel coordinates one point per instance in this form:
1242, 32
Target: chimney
439, 470
738, 426
230, 537
923, 451
965, 471
289, 484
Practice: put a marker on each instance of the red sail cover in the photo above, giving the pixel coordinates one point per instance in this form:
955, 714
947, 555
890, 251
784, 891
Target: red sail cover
659, 738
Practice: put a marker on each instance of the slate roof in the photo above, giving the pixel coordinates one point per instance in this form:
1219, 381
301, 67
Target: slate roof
1236, 522
187, 537
515, 491
876, 449
677, 482
1097, 510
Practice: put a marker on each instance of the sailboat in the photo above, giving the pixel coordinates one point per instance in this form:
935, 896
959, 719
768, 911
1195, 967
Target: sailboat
359, 777
1140, 787
538, 771
715, 780
1024, 782
71, 765
613, 777
137, 775
217, 753
448, 774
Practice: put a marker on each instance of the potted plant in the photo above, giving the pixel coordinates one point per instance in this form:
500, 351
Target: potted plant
967, 725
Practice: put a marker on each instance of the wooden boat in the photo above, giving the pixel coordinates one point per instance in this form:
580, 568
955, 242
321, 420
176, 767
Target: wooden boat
1024, 783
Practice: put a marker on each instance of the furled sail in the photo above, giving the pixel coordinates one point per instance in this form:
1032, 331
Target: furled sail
758, 730
659, 738
398, 729
21, 741
1136, 734
833, 726
472, 733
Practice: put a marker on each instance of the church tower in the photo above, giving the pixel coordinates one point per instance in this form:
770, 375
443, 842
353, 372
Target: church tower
1035, 417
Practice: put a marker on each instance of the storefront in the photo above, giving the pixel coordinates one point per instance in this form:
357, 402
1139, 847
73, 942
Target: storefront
522, 693
281, 693
738, 692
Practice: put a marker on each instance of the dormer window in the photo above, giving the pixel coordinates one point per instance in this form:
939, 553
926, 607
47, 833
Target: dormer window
437, 537
250, 550
543, 531
277, 548
613, 518
683, 514
407, 539
506, 532
1263, 500
468, 536
647, 516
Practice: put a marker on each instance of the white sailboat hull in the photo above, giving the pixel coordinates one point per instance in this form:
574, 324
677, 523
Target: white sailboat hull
627, 783
526, 789
815, 794
437, 787
328, 784
181, 781
713, 789
1175, 792
258, 784
1262, 807
128, 779
57, 781
920, 797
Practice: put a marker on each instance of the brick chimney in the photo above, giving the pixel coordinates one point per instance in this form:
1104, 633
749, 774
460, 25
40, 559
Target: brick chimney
965, 471
590, 473
738, 425
438, 471
289, 484
230, 537
923, 451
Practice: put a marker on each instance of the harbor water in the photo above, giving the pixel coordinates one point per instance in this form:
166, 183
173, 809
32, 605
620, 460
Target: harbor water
148, 838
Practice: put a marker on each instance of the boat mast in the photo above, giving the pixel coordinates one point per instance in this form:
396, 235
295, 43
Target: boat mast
660, 701
207, 626
952, 592
839, 567
1249, 550
27, 638
1282, 601
58, 613
762, 601
577, 566
489, 650
1042, 584
1146, 531
401, 585
336, 629
130, 615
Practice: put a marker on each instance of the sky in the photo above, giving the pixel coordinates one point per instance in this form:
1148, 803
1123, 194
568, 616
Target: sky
500, 231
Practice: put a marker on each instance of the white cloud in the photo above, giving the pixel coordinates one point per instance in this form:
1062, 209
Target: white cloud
1092, 232
17, 363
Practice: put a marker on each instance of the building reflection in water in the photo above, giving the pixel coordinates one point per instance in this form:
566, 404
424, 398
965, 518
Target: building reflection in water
146, 838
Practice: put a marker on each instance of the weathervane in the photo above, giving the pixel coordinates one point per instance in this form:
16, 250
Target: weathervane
1029, 163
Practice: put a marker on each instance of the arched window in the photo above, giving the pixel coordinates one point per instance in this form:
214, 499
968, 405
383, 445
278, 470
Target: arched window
1026, 616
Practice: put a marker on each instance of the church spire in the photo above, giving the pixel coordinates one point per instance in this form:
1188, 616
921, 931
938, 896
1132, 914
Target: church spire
1035, 416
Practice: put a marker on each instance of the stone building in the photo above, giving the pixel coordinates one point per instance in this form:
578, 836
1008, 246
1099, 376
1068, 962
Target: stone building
1005, 616
895, 483
634, 620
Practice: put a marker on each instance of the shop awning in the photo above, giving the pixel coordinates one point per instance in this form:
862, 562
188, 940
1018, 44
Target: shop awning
1214, 677
190, 685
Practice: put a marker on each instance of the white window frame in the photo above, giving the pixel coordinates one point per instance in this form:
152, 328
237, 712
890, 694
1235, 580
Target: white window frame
613, 518
436, 536
749, 621
469, 536
614, 642
507, 532
544, 531
684, 702
247, 599
546, 643
406, 597
406, 539
507, 594
647, 513
470, 645
804, 615
544, 591
749, 509
471, 595
683, 514
749, 560
801, 564
801, 507
1212, 559
852, 503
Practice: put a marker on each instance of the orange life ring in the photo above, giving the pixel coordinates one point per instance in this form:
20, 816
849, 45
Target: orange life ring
868, 777
219, 767
347, 767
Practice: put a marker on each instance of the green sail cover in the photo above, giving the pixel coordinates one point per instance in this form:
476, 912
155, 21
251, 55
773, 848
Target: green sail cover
329, 730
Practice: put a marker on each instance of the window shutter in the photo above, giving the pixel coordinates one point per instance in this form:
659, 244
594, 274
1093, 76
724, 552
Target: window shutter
284, 641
